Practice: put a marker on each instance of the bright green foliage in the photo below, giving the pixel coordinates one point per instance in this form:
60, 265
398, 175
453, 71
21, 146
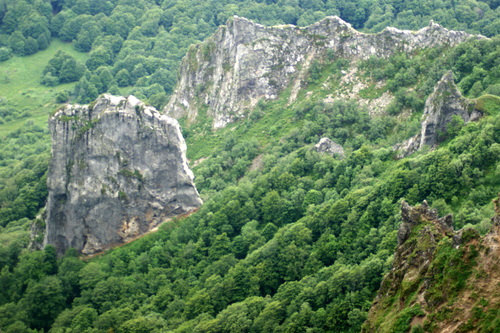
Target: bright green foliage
123, 78
43, 301
229, 268
5, 53
86, 91
17, 43
87, 35
24, 183
451, 269
402, 323
288, 239
488, 104
62, 67
62, 97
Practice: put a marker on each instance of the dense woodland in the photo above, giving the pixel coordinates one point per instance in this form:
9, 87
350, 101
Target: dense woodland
288, 240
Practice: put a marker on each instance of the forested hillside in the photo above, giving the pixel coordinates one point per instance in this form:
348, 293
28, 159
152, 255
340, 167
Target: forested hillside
289, 239
138, 44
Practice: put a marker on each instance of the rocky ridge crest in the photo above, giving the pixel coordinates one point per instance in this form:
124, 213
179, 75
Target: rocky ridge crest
118, 170
244, 62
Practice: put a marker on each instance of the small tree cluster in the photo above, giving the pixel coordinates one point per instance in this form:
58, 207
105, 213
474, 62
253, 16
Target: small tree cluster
62, 68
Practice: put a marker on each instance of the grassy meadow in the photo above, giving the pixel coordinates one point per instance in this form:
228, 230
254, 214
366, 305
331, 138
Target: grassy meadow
20, 86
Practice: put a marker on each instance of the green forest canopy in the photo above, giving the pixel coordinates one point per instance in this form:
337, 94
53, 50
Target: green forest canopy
301, 242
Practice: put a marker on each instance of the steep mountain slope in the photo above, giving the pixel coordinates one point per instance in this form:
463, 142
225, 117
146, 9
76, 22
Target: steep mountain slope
445, 103
290, 238
441, 280
245, 62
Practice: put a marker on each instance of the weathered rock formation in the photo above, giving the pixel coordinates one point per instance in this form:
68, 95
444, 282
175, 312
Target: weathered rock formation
412, 216
118, 170
328, 146
244, 62
441, 106
416, 248
440, 279
445, 102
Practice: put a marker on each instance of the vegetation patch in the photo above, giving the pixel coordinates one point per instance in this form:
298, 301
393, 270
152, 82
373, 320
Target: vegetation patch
372, 92
488, 104
128, 174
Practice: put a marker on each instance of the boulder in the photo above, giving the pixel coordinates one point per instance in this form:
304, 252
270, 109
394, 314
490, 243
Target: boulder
328, 146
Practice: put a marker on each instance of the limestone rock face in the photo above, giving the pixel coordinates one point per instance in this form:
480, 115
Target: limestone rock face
445, 102
441, 106
244, 62
328, 146
118, 170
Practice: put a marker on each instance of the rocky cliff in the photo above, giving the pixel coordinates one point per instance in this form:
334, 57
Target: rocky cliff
118, 170
441, 106
244, 62
442, 280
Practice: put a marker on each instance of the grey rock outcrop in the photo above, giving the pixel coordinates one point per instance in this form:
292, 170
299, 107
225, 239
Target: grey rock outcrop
244, 62
327, 146
408, 147
445, 102
441, 106
413, 216
118, 170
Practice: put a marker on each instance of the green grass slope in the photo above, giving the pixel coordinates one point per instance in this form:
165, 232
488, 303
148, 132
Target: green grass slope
20, 86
